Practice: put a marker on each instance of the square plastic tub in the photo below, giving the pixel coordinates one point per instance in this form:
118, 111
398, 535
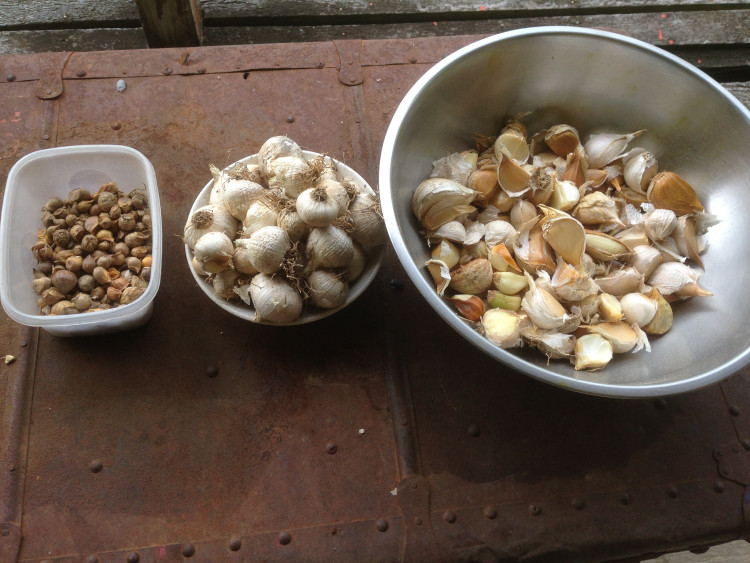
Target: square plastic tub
43, 174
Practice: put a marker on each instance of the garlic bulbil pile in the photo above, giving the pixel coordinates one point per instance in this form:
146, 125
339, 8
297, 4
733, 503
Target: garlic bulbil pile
284, 235
578, 249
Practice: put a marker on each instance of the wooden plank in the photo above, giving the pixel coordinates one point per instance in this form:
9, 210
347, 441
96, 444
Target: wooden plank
20, 14
171, 23
740, 90
20, 42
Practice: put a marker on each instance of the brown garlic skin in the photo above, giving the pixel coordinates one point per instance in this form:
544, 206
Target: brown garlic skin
89, 243
64, 280
87, 283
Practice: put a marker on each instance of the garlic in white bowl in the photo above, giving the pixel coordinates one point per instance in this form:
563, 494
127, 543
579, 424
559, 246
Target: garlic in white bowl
303, 250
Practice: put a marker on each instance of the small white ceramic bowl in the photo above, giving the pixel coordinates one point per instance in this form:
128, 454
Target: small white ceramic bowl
47, 173
309, 313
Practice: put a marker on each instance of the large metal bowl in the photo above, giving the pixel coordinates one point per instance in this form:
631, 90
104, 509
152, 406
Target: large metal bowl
593, 80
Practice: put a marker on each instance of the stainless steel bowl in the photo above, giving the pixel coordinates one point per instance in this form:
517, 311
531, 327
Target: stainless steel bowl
593, 80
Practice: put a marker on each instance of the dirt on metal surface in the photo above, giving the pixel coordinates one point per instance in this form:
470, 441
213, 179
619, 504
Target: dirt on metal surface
374, 434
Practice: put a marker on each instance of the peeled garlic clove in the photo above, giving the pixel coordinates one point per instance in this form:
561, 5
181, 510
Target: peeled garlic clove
542, 307
509, 282
565, 235
513, 177
620, 282
659, 223
603, 148
473, 278
469, 306
676, 278
640, 170
511, 144
667, 190
610, 308
447, 252
638, 308
439, 200
645, 258
565, 195
619, 334
274, 299
498, 299
686, 239
553, 344
592, 352
562, 139
503, 328
597, 208
604, 247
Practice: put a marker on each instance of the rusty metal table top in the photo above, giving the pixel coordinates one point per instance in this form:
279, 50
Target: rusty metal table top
373, 435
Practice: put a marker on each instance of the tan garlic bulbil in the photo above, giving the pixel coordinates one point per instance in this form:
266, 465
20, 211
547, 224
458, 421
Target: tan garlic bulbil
578, 253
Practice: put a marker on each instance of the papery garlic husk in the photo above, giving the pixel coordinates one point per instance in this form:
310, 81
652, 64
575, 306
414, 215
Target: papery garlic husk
667, 190
369, 227
576, 167
484, 182
206, 219
685, 238
604, 247
511, 144
327, 289
562, 139
544, 310
357, 264
638, 308
532, 252
587, 309
456, 166
239, 195
603, 148
659, 223
662, 321
473, 251
633, 236
268, 247
453, 231
669, 250
592, 352
273, 298
503, 328
474, 233
622, 337
675, 278
521, 213
440, 273
543, 159
439, 200
500, 232
329, 247
214, 251
473, 278
571, 284
470, 307
260, 214
223, 284
513, 178
241, 257
565, 234
289, 220
502, 259
274, 148
553, 344
542, 184
640, 170
630, 215
610, 308
622, 281
645, 258
597, 208
316, 207
488, 214
565, 195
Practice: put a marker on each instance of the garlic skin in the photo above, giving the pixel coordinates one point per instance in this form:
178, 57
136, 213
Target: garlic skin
603, 148
267, 248
274, 299
209, 218
329, 247
640, 170
316, 208
223, 284
439, 200
213, 251
328, 289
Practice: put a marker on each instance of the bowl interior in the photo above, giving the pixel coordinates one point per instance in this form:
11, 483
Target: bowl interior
309, 314
595, 81
54, 172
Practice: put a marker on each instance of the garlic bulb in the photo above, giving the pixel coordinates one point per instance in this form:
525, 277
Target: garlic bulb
274, 299
206, 219
316, 207
369, 227
274, 148
223, 283
289, 220
439, 200
259, 214
327, 289
241, 257
357, 264
329, 247
267, 248
239, 195
337, 191
214, 251
292, 174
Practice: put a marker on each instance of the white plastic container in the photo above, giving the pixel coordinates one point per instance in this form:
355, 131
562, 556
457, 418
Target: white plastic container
33, 180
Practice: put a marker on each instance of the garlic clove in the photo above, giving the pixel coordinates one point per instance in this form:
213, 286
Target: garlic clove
440, 273
470, 307
503, 328
500, 232
511, 144
659, 223
638, 308
509, 282
512, 177
592, 352
667, 190
498, 299
502, 201
640, 170
562, 139
645, 258
620, 282
571, 284
501, 259
634, 236
542, 184
565, 234
456, 166
473, 278
610, 308
439, 200
533, 253
597, 208
677, 278
686, 239
604, 247
662, 320
484, 182
576, 166
565, 195
553, 344
522, 212
542, 307
603, 148
619, 334
453, 231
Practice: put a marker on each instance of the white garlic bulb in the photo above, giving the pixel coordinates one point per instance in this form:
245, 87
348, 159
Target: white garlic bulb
369, 227
327, 289
274, 299
329, 247
258, 215
292, 174
268, 247
239, 195
214, 251
274, 148
337, 191
241, 257
356, 265
206, 219
316, 207
289, 220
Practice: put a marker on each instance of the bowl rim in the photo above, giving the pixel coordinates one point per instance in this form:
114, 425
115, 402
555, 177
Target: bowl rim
504, 356
247, 312
83, 320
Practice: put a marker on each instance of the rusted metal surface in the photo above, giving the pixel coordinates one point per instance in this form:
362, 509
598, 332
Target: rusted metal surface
371, 435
